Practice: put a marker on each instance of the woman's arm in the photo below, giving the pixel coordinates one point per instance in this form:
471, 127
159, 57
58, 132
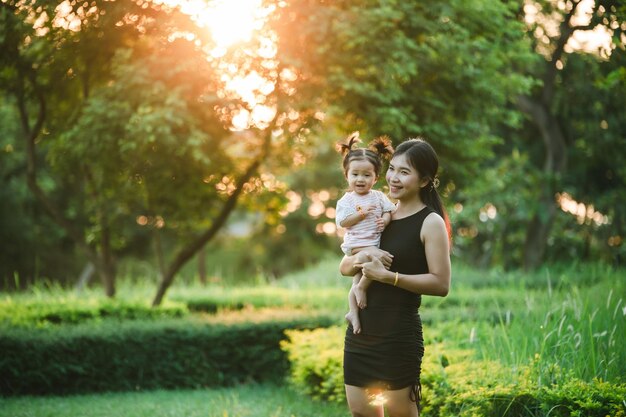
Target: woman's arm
437, 247
350, 265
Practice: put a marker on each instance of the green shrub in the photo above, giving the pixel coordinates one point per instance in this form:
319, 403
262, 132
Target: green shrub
213, 299
576, 398
316, 358
455, 383
114, 356
52, 308
42, 312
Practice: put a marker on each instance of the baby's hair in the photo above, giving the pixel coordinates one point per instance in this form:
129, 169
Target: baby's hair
382, 146
345, 147
378, 150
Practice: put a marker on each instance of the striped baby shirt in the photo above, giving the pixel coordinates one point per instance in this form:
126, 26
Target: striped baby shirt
363, 233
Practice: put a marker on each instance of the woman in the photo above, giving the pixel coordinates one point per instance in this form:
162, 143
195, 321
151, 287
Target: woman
382, 363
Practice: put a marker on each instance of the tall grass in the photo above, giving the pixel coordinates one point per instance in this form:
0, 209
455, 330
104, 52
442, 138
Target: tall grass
574, 333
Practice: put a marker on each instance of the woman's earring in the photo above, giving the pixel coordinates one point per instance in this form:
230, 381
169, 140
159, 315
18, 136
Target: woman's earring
434, 183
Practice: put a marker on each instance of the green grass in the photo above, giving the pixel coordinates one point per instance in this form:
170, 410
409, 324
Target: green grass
575, 333
319, 288
242, 401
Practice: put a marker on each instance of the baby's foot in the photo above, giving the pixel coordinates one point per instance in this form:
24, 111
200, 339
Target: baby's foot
353, 318
361, 296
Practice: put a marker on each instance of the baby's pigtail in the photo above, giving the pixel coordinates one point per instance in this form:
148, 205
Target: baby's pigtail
344, 147
382, 146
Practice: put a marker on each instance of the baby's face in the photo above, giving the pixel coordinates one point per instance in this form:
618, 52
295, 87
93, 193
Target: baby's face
361, 176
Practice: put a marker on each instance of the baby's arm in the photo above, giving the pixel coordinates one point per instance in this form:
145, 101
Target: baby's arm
383, 221
355, 218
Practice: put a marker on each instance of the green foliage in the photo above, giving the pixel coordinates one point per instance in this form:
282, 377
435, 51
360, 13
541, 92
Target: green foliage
407, 68
490, 217
596, 176
138, 133
136, 127
32, 247
317, 289
74, 310
316, 362
455, 383
576, 398
267, 254
114, 356
214, 299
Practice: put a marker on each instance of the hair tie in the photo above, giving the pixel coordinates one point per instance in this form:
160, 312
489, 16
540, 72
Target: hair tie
434, 183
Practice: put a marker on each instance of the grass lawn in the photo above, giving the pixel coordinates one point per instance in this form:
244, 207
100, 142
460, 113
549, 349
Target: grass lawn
246, 400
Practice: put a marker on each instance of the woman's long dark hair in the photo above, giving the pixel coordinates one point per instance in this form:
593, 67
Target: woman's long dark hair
424, 159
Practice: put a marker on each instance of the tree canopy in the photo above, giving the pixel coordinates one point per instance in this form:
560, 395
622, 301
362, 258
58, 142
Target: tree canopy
124, 122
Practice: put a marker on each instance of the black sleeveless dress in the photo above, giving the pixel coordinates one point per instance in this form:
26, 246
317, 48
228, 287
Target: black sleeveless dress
388, 352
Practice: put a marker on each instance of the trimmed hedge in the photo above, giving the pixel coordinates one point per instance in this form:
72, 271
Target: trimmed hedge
455, 384
47, 312
114, 356
219, 299
54, 310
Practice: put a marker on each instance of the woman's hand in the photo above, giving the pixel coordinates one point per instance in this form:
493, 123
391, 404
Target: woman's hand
348, 263
371, 253
373, 269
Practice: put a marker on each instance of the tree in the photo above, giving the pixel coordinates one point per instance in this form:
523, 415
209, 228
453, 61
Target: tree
97, 115
31, 245
404, 69
541, 105
591, 113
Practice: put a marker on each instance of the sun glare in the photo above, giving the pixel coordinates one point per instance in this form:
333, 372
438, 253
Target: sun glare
229, 21
596, 41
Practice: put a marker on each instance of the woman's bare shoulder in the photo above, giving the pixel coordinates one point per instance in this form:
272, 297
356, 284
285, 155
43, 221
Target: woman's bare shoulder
433, 223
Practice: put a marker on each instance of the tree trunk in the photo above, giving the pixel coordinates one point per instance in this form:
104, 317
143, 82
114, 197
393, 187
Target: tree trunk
555, 160
552, 134
537, 233
202, 265
108, 269
158, 249
107, 275
32, 126
229, 205
538, 108
190, 250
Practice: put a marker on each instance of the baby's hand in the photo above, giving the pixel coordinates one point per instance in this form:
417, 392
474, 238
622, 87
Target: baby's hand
365, 210
380, 224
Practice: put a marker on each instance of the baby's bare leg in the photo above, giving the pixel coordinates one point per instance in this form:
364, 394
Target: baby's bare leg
353, 315
360, 284
360, 291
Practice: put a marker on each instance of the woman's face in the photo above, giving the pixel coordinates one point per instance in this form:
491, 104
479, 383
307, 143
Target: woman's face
404, 180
